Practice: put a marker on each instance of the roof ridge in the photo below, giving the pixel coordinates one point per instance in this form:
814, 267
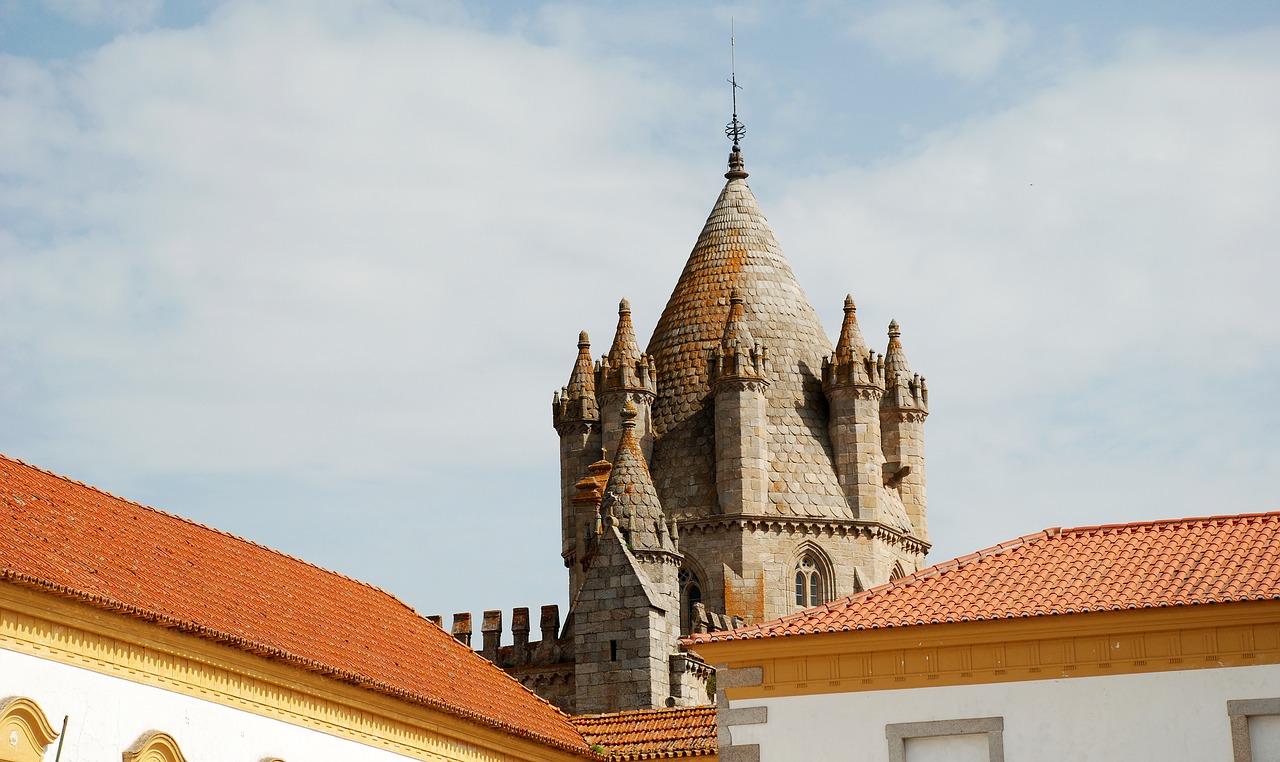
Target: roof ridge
194, 523
1162, 522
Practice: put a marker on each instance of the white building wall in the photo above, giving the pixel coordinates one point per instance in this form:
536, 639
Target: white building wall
108, 714
1164, 715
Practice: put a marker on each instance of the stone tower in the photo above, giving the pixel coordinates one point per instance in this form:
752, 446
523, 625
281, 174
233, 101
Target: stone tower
739, 469
792, 472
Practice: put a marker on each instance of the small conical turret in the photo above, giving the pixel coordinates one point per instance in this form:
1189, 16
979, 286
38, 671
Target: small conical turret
902, 413
739, 379
626, 376
852, 364
576, 402
738, 356
626, 368
907, 390
575, 412
629, 496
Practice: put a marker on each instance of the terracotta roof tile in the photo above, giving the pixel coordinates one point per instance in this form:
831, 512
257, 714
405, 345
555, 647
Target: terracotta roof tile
77, 541
1180, 562
653, 733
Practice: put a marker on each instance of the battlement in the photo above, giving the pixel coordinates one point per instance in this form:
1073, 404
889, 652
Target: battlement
554, 647
909, 393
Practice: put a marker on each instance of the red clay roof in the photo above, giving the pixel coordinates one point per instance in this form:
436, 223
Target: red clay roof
1180, 562
77, 541
653, 733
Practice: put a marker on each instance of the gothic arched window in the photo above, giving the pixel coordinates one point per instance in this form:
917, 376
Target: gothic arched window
690, 593
810, 586
897, 573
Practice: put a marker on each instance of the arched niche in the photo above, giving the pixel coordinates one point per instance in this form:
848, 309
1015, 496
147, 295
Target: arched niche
25, 733
154, 746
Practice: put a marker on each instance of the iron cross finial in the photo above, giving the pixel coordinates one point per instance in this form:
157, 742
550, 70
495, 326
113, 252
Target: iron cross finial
735, 130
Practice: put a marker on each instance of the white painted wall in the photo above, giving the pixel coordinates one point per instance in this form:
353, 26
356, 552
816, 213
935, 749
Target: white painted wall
1166, 715
108, 714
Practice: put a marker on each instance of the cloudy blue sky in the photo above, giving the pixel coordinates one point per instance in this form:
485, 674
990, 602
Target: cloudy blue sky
309, 272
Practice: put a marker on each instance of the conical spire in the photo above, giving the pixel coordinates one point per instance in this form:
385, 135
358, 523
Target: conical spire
895, 359
629, 496
850, 347
736, 333
625, 367
624, 349
852, 364
577, 400
739, 356
906, 390
737, 249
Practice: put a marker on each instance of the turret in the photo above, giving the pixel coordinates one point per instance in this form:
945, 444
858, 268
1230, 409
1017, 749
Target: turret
902, 413
586, 516
627, 375
739, 380
627, 611
576, 416
854, 380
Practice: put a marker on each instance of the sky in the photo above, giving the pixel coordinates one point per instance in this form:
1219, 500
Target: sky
309, 272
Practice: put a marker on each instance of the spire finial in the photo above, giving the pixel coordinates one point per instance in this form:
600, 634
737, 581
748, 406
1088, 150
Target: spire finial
736, 130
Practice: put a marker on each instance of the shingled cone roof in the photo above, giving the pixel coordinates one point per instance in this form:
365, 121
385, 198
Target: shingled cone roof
629, 496
75, 541
737, 250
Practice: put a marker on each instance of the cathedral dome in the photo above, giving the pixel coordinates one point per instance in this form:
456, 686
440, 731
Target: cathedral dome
737, 250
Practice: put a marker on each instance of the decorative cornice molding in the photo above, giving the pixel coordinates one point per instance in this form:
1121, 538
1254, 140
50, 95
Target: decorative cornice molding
1007, 650
741, 384
808, 527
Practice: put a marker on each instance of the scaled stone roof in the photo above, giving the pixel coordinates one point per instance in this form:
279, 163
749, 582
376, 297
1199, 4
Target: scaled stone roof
76, 541
736, 249
1181, 562
652, 733
629, 495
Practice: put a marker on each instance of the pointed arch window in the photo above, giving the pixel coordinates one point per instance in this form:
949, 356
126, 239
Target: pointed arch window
897, 572
810, 584
690, 594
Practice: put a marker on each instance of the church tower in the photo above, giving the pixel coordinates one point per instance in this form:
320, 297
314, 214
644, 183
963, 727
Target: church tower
738, 469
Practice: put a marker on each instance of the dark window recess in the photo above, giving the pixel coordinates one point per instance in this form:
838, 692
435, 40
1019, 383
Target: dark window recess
613, 650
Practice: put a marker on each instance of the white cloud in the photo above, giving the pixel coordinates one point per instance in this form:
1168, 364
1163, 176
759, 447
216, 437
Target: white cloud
1088, 281
968, 40
309, 272
117, 14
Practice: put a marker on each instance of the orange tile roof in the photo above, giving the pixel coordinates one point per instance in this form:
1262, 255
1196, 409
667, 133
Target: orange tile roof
653, 733
1180, 562
77, 541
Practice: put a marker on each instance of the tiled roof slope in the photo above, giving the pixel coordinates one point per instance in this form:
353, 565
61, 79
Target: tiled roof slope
736, 249
1180, 562
653, 733
77, 541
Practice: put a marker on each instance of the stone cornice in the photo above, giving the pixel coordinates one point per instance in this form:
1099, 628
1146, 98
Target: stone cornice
808, 526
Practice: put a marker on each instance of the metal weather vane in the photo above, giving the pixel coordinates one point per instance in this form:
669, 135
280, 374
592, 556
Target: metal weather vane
735, 130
